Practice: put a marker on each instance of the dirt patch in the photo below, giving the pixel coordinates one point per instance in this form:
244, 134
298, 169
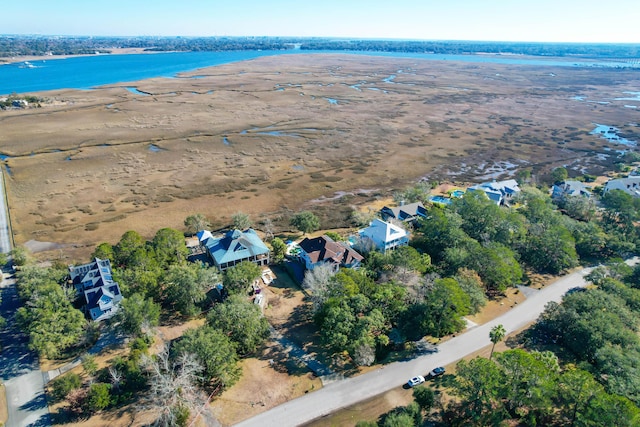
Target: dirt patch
498, 307
368, 410
4, 414
273, 377
262, 137
263, 385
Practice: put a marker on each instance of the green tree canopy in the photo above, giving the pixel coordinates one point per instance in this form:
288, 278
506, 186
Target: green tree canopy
242, 321
278, 250
305, 221
98, 398
128, 248
52, 323
169, 246
238, 278
186, 286
138, 315
215, 352
471, 283
559, 175
497, 266
21, 256
104, 251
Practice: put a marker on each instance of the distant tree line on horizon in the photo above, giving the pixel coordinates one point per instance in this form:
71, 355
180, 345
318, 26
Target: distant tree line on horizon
18, 45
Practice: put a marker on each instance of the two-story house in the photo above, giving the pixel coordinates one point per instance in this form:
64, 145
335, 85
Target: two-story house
385, 235
95, 282
324, 250
234, 247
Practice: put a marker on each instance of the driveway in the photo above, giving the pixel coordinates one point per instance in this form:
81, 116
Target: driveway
19, 368
345, 393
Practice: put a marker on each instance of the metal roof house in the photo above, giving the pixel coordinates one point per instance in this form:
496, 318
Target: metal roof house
405, 213
570, 188
630, 185
234, 247
499, 192
94, 280
384, 235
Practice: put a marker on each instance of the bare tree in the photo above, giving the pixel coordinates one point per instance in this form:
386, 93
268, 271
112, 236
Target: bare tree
267, 224
364, 355
317, 281
241, 221
362, 218
363, 244
174, 393
116, 378
196, 222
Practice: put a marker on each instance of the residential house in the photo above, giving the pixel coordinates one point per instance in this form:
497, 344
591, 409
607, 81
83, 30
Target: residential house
234, 247
630, 185
405, 213
570, 188
95, 282
500, 192
324, 250
384, 235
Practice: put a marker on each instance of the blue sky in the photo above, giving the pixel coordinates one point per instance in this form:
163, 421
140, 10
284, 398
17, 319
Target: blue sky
616, 21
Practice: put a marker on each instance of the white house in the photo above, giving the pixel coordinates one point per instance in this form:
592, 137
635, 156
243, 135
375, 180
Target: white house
94, 281
630, 185
570, 188
384, 235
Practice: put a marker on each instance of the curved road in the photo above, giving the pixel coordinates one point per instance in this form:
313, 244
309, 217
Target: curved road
345, 393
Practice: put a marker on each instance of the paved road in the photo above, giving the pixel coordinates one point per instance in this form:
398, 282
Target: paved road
19, 369
5, 232
353, 390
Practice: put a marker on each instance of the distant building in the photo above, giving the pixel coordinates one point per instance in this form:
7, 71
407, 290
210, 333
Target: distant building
499, 192
570, 188
405, 213
95, 282
324, 250
384, 235
630, 185
234, 247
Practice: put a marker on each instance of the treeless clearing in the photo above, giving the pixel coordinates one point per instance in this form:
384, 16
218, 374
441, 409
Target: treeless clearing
3, 405
276, 134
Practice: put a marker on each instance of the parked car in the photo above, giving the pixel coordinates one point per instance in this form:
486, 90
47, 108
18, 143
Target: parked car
415, 381
436, 372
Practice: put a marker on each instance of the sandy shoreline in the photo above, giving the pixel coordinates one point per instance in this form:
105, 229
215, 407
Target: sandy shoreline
30, 58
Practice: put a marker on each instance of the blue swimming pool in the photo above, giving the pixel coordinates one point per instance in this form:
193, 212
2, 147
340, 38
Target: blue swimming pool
440, 199
457, 193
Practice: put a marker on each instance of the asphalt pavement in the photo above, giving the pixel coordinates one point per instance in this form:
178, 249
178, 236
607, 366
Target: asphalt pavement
5, 231
19, 368
342, 394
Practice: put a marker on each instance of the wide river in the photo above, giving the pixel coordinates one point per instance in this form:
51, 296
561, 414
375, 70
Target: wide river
87, 72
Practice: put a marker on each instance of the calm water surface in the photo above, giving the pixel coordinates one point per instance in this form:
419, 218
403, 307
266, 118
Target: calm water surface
91, 71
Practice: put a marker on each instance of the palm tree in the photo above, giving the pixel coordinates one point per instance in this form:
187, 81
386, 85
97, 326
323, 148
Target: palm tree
496, 335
